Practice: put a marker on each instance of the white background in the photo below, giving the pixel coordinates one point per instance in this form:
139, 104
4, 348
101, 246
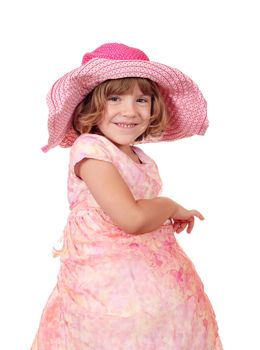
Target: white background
214, 42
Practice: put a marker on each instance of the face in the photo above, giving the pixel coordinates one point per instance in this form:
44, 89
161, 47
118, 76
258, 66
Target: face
126, 116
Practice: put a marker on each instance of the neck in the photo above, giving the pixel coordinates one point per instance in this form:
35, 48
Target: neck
126, 149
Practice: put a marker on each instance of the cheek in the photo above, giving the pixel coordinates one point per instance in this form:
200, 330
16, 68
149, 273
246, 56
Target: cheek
145, 124
148, 112
147, 117
101, 125
103, 120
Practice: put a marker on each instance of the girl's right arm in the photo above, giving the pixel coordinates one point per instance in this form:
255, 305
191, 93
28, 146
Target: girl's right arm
133, 216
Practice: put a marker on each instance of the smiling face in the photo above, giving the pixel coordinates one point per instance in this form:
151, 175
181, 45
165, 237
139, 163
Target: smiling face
126, 116
125, 110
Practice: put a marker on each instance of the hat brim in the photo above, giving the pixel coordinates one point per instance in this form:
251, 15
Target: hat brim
184, 102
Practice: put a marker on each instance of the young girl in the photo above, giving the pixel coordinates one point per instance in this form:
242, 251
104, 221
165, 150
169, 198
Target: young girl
124, 282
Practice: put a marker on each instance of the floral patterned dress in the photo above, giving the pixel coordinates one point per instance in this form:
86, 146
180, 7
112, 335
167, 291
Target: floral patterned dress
118, 291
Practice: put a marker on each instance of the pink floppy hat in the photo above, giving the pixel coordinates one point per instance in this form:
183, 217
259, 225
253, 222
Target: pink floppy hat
185, 104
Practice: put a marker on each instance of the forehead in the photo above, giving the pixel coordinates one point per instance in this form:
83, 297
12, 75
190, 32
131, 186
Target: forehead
121, 86
134, 90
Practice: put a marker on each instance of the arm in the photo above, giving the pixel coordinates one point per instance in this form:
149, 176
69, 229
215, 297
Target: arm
115, 198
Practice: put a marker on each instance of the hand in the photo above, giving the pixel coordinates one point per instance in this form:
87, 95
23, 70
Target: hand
185, 218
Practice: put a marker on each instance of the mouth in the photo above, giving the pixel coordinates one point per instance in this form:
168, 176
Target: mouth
126, 125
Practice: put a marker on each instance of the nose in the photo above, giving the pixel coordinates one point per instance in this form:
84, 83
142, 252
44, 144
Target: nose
129, 109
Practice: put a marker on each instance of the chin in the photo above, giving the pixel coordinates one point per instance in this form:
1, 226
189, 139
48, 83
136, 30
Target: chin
123, 141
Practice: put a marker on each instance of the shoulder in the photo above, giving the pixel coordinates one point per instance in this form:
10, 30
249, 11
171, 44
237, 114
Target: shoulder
91, 140
91, 146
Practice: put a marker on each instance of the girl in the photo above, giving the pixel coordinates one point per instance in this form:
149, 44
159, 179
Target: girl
124, 282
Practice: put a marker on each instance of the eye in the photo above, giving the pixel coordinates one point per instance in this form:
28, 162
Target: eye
144, 99
113, 98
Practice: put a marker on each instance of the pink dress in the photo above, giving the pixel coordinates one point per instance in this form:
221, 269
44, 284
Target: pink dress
118, 291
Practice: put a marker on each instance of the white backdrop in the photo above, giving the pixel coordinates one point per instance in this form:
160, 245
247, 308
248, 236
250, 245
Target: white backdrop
216, 43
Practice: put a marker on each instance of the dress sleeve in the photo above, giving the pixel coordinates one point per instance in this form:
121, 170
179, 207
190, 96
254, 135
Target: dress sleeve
89, 146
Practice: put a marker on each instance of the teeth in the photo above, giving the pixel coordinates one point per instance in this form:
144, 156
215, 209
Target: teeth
123, 125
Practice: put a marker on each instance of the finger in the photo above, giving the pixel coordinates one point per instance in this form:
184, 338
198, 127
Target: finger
197, 214
177, 223
181, 227
190, 225
175, 226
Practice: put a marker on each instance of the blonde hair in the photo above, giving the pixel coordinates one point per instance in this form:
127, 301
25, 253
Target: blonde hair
88, 113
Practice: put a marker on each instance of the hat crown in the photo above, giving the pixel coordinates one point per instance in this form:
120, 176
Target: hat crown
115, 51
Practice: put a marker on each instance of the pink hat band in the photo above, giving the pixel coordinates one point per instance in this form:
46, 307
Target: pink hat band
115, 52
185, 104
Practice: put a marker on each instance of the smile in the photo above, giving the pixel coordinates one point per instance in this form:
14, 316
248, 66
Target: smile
125, 125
